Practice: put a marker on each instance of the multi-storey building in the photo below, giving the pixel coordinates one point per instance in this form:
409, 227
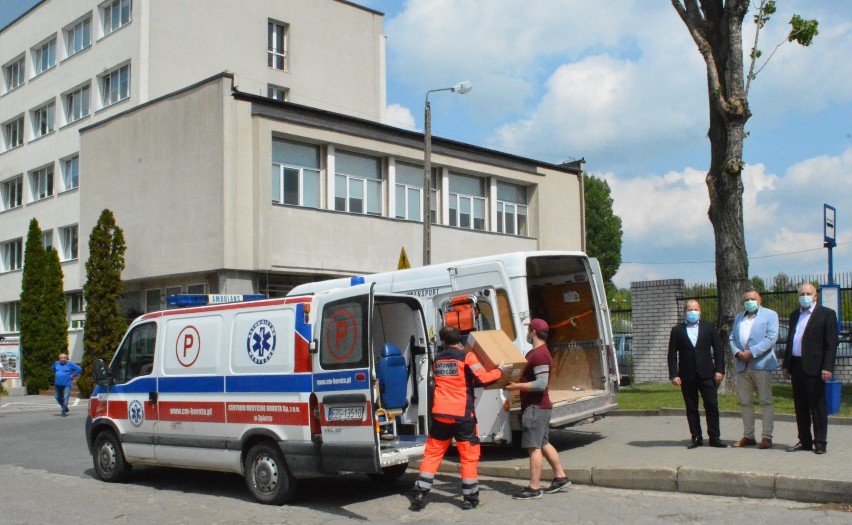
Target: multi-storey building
236, 164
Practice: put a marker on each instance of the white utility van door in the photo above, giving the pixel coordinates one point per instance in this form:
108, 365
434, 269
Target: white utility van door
604, 322
342, 378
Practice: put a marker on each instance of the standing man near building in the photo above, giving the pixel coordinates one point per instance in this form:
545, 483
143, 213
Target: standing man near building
809, 363
456, 374
752, 341
535, 414
64, 372
697, 365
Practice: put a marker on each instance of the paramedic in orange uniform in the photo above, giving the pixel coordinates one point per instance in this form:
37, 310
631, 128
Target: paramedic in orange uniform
456, 374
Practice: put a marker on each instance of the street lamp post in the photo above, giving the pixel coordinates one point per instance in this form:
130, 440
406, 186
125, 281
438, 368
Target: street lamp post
460, 88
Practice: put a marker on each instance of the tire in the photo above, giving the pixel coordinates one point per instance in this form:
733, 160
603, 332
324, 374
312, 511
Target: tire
267, 476
108, 458
389, 474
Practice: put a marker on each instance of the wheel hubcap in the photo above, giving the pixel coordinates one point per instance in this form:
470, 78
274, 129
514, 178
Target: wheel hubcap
266, 474
107, 458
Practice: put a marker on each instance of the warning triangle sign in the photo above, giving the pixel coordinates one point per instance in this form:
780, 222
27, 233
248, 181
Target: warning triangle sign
403, 260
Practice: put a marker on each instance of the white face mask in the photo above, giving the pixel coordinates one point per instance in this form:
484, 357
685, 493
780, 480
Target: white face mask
806, 301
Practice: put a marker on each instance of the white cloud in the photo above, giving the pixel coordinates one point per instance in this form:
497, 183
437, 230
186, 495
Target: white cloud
399, 116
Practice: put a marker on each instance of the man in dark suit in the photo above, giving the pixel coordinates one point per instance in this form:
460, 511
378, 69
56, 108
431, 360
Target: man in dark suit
809, 362
697, 365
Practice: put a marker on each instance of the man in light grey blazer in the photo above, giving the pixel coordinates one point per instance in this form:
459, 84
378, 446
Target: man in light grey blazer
752, 340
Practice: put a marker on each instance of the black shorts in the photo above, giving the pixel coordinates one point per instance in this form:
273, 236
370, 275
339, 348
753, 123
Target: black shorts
458, 430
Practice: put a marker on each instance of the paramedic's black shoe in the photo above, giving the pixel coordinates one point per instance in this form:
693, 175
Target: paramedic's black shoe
471, 503
718, 443
695, 443
557, 485
418, 500
528, 493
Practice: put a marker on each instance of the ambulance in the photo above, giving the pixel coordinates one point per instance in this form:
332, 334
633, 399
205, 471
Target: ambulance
502, 292
275, 389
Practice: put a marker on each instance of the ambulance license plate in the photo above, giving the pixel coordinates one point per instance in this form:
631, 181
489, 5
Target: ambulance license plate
346, 413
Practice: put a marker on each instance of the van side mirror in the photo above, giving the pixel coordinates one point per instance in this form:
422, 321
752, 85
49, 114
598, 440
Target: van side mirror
102, 375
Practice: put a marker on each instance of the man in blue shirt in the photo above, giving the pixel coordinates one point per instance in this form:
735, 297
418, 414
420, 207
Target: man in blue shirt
65, 371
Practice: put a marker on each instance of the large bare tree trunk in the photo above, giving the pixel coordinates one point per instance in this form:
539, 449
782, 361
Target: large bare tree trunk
716, 28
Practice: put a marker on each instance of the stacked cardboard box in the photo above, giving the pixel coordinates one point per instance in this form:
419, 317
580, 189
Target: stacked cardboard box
493, 348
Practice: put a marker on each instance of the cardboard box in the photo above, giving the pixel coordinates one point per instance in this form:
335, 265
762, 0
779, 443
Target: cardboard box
494, 347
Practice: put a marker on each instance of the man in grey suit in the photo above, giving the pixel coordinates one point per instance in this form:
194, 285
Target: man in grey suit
697, 365
752, 341
809, 363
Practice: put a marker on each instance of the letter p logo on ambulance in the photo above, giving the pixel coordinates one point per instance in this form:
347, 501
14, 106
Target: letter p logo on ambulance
261, 340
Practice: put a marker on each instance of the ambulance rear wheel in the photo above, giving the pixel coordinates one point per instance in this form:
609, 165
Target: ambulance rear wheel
108, 457
389, 474
267, 476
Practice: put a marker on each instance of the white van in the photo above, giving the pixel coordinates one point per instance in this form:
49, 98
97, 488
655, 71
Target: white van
273, 389
503, 292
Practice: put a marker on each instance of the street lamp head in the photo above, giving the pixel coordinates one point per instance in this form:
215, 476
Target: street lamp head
462, 87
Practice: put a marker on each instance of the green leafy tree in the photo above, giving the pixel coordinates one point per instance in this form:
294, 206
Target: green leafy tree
105, 322
716, 28
38, 347
603, 229
758, 284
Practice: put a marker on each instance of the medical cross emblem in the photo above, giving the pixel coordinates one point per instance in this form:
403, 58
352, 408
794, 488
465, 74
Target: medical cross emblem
261, 340
136, 412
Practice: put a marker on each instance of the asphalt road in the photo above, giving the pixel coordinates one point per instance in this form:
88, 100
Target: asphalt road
46, 476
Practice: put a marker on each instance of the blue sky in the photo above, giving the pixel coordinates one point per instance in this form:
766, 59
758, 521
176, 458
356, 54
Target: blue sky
622, 85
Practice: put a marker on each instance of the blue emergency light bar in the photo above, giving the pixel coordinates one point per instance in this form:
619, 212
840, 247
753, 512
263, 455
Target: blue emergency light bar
355, 281
194, 299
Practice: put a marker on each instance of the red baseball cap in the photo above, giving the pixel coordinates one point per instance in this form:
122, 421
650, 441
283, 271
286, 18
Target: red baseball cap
539, 325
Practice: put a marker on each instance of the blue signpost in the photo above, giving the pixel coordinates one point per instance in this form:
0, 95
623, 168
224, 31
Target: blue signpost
830, 293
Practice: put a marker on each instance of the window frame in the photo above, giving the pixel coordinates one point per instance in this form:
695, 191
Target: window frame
81, 94
106, 84
368, 187
82, 27
42, 183
69, 248
501, 208
13, 70
18, 122
12, 253
12, 316
75, 159
107, 10
272, 91
47, 240
18, 192
277, 45
457, 200
43, 119
37, 52
76, 318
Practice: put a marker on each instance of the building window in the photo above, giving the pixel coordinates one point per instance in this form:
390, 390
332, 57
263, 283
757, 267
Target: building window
12, 191
71, 172
358, 183
68, 241
78, 36
295, 173
196, 288
152, 300
77, 104
44, 56
76, 310
12, 254
278, 34
277, 93
409, 192
13, 73
41, 183
115, 14
13, 132
511, 209
11, 316
115, 85
467, 201
42, 119
47, 240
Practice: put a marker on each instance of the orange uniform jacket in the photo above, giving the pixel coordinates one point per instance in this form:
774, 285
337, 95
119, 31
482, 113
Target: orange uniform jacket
456, 374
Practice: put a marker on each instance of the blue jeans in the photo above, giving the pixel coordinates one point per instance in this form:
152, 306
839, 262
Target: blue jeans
62, 393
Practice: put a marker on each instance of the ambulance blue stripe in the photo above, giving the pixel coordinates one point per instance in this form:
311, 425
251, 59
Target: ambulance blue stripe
269, 383
192, 384
141, 385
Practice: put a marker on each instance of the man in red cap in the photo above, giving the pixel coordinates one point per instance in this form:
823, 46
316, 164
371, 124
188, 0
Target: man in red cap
535, 414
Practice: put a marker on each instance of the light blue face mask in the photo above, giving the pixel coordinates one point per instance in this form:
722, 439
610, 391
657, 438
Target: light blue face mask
806, 301
693, 316
750, 306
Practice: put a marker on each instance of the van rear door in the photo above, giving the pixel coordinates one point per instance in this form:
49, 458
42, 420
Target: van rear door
605, 323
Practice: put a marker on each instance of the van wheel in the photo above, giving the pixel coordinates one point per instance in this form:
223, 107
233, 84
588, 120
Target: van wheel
389, 474
108, 457
267, 476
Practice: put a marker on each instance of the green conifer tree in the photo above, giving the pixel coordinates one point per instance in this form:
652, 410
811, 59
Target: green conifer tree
35, 356
105, 322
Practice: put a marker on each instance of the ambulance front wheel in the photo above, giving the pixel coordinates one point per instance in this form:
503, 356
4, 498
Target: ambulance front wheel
389, 474
267, 476
108, 457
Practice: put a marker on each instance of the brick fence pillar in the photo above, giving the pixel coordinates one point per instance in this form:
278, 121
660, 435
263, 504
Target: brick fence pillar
655, 311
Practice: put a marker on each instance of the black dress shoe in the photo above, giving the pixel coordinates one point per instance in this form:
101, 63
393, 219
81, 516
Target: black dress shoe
799, 446
819, 448
695, 443
717, 443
